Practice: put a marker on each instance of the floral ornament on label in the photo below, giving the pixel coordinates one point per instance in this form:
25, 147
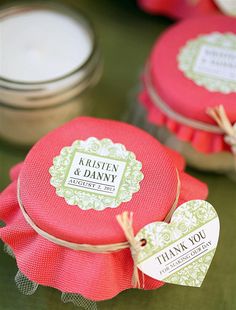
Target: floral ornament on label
96, 174
194, 63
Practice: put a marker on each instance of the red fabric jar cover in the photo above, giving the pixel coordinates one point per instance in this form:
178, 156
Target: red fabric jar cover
179, 8
95, 276
181, 93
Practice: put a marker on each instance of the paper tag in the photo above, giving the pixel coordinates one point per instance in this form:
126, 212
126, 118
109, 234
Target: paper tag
96, 174
180, 252
227, 6
210, 61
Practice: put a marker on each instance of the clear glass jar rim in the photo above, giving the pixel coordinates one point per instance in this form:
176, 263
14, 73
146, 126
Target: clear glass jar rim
15, 8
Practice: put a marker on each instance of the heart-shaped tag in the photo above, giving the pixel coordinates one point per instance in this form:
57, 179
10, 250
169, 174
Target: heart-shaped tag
180, 252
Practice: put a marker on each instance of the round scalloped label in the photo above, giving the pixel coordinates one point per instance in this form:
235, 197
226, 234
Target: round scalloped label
210, 61
96, 174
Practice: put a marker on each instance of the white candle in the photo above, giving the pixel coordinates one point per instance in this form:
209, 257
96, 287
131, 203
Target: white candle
48, 58
41, 45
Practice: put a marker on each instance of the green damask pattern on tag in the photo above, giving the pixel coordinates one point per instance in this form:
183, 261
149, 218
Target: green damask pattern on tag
194, 273
160, 235
189, 54
103, 149
180, 252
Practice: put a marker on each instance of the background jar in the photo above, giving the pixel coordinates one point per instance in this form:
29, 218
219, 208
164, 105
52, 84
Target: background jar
62, 61
177, 95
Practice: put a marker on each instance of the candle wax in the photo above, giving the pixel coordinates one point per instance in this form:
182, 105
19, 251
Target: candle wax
41, 45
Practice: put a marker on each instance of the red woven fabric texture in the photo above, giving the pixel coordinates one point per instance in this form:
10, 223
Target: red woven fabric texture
182, 94
95, 276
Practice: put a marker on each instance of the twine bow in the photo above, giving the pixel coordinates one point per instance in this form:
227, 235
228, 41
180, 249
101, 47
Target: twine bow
126, 222
219, 115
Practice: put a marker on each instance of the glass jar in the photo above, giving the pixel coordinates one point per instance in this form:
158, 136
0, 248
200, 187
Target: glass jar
46, 69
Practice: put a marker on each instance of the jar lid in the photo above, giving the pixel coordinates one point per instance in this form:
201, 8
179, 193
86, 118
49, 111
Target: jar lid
191, 68
53, 207
73, 183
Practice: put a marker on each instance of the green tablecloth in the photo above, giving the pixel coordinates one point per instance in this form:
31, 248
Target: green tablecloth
126, 35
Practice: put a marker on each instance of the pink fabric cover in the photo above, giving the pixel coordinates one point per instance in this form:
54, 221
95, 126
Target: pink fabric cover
182, 94
179, 8
95, 276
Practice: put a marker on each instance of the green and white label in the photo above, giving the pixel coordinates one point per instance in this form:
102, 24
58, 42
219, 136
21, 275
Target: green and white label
96, 174
180, 252
210, 61
227, 6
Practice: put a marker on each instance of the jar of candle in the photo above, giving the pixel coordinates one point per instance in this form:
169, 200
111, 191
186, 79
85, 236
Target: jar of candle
49, 58
189, 91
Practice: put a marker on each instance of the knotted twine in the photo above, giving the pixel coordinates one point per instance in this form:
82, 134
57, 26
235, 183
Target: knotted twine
220, 117
125, 221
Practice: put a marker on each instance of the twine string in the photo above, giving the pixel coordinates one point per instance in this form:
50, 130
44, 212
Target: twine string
167, 110
125, 221
193, 2
219, 115
104, 248
175, 204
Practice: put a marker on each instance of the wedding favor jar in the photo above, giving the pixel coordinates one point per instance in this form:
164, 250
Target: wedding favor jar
48, 60
63, 209
189, 91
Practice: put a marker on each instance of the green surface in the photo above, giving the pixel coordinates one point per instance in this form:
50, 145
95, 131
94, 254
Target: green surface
126, 36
